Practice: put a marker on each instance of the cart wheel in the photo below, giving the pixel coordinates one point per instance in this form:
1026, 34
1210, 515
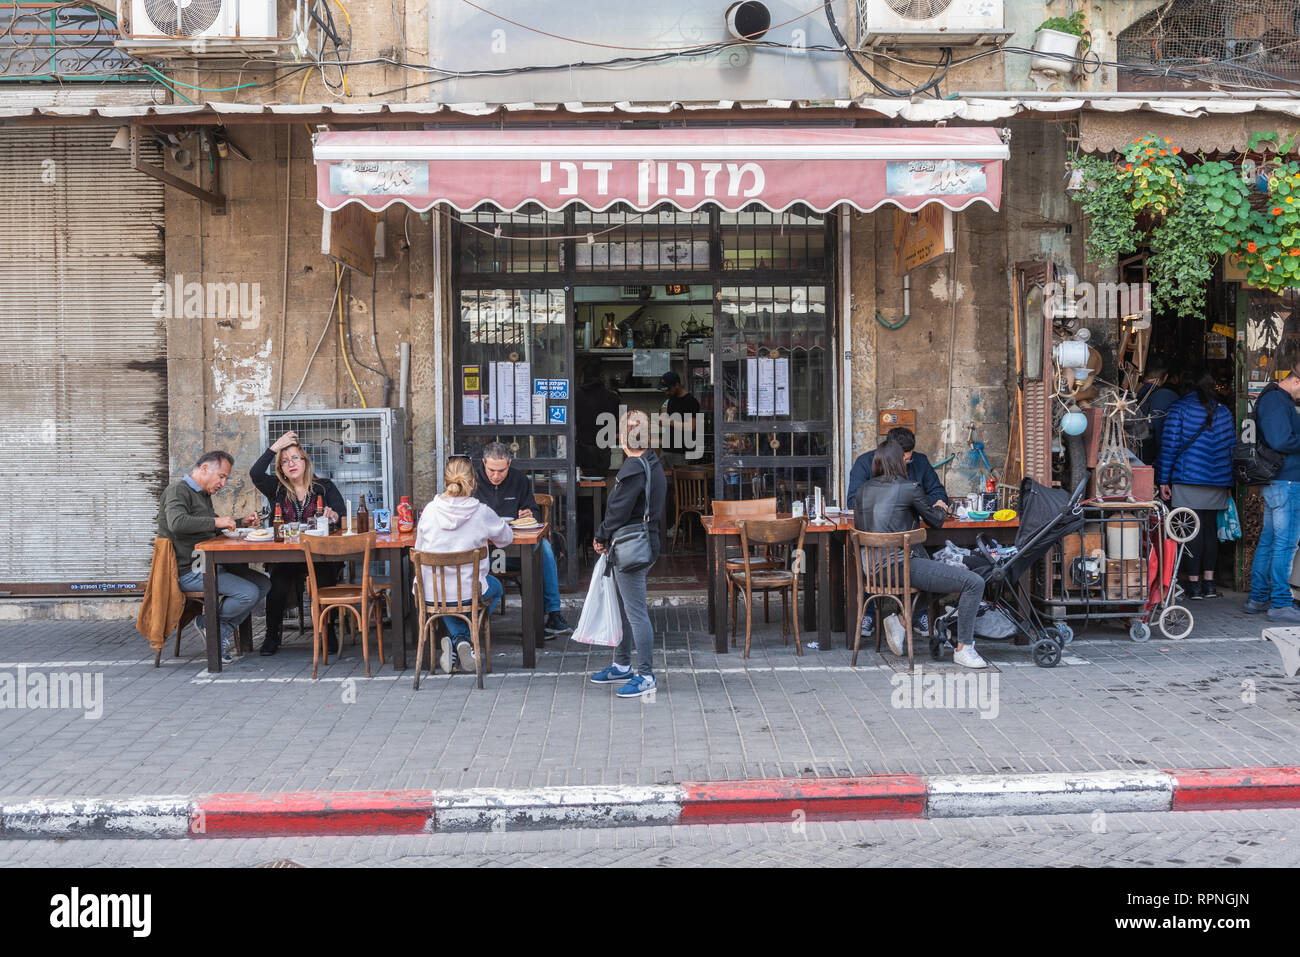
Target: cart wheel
1176, 622
1139, 631
1046, 652
1065, 631
1182, 524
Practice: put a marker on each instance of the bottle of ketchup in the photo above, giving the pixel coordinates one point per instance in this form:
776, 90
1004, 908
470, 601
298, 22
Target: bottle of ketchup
405, 516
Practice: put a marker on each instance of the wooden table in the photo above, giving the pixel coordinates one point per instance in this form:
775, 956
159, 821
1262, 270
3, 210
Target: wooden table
960, 533
530, 584
817, 614
228, 551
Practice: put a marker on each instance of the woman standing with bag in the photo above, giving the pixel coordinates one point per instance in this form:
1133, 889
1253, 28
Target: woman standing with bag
1194, 469
630, 534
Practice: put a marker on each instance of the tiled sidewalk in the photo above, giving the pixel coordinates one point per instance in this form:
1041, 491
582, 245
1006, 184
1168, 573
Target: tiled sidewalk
1217, 699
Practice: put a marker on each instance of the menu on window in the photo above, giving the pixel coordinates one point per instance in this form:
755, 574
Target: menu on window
781, 387
523, 383
751, 386
503, 400
766, 387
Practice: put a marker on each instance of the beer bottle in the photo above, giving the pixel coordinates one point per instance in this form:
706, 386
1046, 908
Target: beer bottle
278, 524
363, 516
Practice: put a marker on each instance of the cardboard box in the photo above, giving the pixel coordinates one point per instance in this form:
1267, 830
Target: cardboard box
1125, 581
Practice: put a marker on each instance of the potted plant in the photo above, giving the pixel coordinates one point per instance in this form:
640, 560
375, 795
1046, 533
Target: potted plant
1058, 43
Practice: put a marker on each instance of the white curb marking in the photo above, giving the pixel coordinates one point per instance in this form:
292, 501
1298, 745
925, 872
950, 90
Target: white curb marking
989, 795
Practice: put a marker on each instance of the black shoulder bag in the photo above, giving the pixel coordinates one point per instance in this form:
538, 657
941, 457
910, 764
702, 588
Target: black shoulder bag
631, 549
1255, 463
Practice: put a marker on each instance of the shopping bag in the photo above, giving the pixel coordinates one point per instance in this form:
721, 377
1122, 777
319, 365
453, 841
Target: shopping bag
600, 622
1229, 525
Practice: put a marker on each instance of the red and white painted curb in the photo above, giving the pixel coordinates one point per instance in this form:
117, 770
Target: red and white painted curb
876, 797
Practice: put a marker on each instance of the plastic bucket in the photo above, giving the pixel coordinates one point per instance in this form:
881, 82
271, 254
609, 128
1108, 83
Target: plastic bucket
1124, 540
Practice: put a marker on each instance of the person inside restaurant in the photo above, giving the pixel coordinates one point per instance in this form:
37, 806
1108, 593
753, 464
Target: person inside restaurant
291, 485
186, 517
680, 435
919, 469
594, 406
509, 493
456, 522
1154, 397
890, 501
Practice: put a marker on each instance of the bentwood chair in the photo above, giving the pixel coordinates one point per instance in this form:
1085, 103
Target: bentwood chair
690, 497
544, 505
782, 536
362, 600
879, 574
729, 512
448, 598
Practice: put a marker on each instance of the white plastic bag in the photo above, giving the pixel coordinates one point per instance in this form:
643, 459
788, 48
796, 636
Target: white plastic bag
951, 554
600, 622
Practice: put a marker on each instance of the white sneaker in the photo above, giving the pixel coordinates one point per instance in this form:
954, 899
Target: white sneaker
896, 635
465, 654
968, 657
444, 658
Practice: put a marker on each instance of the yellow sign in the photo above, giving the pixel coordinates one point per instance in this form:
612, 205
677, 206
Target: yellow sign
1221, 329
921, 236
348, 237
469, 380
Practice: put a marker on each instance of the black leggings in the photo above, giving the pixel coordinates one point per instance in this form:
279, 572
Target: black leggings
1203, 550
286, 579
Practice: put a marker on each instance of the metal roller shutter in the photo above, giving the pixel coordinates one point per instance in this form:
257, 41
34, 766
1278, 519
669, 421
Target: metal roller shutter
83, 363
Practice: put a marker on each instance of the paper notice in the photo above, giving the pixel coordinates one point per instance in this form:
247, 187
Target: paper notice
781, 387
493, 401
751, 382
505, 394
523, 393
766, 384
539, 410
470, 410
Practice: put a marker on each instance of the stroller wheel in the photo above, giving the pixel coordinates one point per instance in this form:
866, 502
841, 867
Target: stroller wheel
1182, 524
1176, 622
1139, 631
1065, 631
1046, 653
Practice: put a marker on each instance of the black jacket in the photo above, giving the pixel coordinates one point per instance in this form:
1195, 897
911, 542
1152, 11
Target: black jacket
263, 475
626, 504
918, 470
509, 498
894, 506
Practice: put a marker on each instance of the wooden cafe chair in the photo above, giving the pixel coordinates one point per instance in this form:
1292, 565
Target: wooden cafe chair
445, 567
878, 576
690, 497
728, 513
783, 536
361, 600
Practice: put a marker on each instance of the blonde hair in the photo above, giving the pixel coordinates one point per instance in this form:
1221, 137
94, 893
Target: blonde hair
635, 429
308, 473
458, 478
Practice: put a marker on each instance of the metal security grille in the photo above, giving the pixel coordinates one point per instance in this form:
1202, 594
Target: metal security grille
83, 363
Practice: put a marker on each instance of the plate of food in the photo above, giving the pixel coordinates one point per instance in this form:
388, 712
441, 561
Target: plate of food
259, 535
524, 524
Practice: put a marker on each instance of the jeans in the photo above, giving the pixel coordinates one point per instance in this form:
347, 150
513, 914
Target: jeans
929, 575
239, 590
491, 597
550, 576
635, 616
1270, 573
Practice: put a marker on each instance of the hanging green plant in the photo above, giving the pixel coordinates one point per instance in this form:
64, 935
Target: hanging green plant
1113, 231
1270, 248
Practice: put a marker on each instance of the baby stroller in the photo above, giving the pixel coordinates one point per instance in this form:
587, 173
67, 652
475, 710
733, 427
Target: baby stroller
1046, 516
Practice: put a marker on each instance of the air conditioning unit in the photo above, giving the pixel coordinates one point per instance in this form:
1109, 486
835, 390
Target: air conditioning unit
202, 26
883, 23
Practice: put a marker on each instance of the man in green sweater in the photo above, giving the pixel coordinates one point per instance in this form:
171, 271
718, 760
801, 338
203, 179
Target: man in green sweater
186, 516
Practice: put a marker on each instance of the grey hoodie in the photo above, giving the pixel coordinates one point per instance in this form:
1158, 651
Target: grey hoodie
459, 525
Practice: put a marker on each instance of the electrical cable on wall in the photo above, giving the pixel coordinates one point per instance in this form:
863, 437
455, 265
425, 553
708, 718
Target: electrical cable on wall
343, 346
312, 358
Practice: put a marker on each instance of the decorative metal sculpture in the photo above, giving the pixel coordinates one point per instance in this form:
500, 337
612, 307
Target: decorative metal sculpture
1114, 474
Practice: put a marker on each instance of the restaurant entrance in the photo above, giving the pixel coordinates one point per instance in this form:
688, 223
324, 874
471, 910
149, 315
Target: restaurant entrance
556, 311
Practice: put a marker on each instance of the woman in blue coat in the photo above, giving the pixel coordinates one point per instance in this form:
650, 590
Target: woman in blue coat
1194, 469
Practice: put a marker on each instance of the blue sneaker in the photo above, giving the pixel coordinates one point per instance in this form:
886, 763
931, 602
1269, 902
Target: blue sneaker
639, 685
1253, 607
611, 675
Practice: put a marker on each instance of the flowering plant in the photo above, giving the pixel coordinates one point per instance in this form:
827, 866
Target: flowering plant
1270, 245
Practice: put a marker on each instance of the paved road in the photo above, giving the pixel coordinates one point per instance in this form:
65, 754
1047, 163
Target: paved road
1216, 700
1198, 839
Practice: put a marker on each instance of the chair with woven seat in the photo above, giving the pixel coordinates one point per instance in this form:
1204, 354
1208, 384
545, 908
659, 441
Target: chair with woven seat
362, 600
544, 504
728, 513
782, 536
445, 567
879, 574
690, 497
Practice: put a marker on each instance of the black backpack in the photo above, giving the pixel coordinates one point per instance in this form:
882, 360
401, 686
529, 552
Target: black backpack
1255, 463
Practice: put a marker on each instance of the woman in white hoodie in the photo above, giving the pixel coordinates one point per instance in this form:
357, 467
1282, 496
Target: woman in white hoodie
455, 521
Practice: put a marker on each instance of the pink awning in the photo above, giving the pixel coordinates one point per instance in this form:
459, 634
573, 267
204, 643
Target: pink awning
688, 168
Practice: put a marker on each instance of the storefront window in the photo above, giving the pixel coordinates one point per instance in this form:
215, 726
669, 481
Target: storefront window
794, 239
527, 241
623, 239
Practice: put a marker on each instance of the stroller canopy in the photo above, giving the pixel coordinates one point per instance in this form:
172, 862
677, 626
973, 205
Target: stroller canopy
1040, 506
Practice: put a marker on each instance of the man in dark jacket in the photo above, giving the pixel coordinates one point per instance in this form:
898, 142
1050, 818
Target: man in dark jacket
640, 489
509, 493
594, 405
1270, 573
919, 469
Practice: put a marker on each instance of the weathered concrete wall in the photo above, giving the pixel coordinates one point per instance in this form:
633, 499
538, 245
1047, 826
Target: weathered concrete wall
223, 371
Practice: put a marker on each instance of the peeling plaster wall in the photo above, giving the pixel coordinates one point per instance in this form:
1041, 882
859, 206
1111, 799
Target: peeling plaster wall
223, 371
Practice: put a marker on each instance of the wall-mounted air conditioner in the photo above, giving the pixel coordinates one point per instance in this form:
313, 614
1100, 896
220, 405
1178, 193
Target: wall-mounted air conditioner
197, 27
883, 23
